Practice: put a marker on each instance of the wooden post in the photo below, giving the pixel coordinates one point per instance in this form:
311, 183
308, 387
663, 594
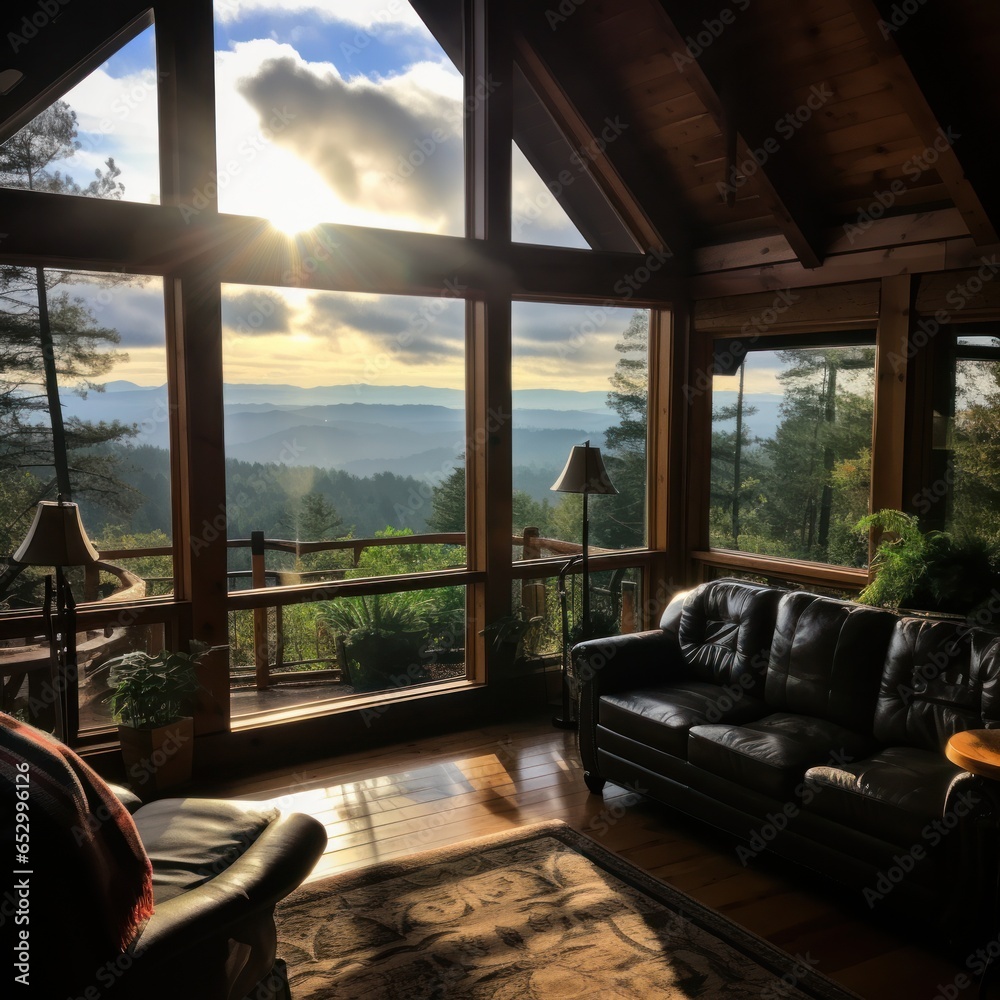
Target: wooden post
91, 582
279, 640
629, 589
533, 598
530, 549
260, 658
889, 428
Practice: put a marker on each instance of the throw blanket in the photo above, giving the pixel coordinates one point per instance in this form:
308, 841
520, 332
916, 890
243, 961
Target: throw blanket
96, 835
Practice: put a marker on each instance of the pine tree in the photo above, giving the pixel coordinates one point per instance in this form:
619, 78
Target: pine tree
620, 521
448, 503
51, 341
826, 418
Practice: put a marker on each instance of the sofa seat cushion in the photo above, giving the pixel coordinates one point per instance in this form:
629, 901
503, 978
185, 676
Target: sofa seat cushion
190, 841
772, 754
896, 794
661, 715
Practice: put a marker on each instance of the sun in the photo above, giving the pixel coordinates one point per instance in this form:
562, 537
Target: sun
288, 193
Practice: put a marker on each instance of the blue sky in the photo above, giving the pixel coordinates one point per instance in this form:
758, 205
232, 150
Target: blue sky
376, 51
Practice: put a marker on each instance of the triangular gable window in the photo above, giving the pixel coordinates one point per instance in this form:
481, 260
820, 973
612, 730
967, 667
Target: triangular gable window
100, 139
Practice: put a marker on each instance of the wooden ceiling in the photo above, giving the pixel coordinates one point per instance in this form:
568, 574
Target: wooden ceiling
752, 118
717, 121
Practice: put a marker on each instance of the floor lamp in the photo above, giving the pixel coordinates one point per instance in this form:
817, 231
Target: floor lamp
584, 473
56, 538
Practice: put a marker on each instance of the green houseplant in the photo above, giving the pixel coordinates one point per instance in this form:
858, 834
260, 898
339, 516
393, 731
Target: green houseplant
934, 571
150, 698
382, 636
509, 636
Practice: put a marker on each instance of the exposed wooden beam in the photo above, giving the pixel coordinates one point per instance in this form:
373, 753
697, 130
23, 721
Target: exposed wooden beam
561, 71
889, 428
866, 265
898, 231
943, 142
57, 230
588, 155
782, 186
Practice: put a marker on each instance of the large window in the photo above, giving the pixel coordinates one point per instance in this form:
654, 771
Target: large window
84, 414
341, 419
791, 448
345, 449
100, 435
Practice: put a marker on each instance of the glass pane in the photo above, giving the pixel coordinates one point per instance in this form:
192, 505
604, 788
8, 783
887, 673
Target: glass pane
579, 373
537, 216
352, 645
974, 437
791, 453
345, 433
111, 455
336, 111
100, 139
27, 690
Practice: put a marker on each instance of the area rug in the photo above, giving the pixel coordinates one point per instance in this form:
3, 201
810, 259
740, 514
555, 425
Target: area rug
536, 914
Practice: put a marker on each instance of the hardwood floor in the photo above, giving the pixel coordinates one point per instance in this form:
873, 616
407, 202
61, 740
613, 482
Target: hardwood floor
442, 790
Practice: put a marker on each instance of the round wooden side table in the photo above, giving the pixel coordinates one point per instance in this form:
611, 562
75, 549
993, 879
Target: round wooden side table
978, 751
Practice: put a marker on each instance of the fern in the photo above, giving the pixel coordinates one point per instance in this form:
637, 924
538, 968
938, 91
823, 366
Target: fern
932, 571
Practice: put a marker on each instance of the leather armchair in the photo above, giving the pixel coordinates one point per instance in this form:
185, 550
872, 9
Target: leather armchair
218, 869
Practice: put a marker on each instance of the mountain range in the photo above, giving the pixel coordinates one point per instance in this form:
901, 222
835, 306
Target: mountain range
362, 429
365, 429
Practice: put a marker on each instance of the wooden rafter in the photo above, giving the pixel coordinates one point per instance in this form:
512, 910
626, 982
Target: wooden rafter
599, 163
782, 189
932, 131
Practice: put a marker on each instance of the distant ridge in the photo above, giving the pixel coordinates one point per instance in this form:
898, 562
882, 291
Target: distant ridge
401, 395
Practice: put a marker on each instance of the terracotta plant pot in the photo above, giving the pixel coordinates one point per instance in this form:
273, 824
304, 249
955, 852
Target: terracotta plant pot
158, 759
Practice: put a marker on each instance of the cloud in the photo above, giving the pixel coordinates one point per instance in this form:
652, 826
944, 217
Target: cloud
117, 117
133, 308
565, 346
369, 15
403, 330
256, 311
392, 147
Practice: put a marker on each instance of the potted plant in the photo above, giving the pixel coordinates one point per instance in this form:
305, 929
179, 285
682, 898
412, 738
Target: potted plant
509, 636
933, 571
382, 637
150, 700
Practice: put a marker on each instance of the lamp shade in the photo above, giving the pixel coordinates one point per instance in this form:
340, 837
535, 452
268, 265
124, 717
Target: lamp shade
584, 472
56, 538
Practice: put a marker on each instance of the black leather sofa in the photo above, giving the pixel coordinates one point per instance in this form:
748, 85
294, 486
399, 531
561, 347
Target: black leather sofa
809, 727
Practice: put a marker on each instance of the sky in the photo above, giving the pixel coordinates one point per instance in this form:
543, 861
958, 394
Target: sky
340, 111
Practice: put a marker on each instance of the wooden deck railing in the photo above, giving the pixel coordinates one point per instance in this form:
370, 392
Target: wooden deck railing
533, 546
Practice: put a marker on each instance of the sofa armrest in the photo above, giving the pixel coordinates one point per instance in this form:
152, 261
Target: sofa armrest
125, 796
274, 865
616, 663
619, 662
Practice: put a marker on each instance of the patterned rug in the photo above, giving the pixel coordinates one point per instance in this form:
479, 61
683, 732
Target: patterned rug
537, 914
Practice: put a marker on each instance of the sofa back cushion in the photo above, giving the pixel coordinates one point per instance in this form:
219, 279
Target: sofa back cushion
827, 659
725, 632
940, 678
